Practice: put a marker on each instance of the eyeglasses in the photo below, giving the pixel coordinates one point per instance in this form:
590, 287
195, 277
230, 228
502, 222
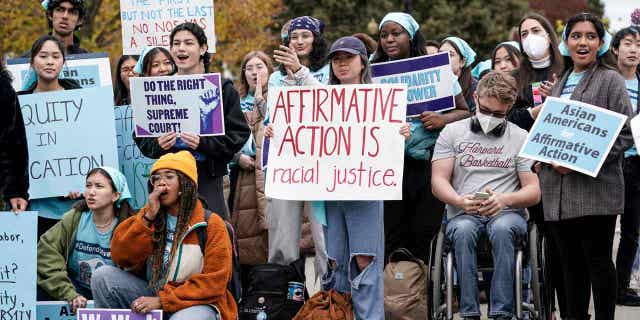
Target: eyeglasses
126, 69
167, 177
486, 111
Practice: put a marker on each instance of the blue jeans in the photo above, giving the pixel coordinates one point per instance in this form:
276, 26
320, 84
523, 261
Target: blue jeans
503, 230
117, 289
356, 228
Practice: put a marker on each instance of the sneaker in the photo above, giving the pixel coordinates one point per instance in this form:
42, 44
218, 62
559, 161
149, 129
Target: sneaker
629, 298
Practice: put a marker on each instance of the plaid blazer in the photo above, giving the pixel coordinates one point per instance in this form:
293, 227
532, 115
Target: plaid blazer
576, 195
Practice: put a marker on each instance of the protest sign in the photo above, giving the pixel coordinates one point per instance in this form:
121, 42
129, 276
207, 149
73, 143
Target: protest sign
56, 310
189, 103
69, 132
336, 142
635, 129
17, 265
147, 23
429, 80
133, 164
117, 314
90, 70
573, 134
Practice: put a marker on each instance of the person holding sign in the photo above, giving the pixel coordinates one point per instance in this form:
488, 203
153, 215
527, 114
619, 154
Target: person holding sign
47, 59
14, 156
75, 247
413, 221
626, 47
64, 18
170, 267
477, 172
189, 51
581, 211
462, 59
541, 63
303, 52
125, 69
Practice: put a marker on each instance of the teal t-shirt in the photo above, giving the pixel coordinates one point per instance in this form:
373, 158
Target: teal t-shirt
570, 85
172, 221
632, 90
51, 208
91, 250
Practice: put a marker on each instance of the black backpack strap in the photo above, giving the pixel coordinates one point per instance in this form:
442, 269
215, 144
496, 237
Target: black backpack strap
202, 232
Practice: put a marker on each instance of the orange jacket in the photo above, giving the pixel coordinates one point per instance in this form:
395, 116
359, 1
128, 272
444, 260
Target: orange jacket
193, 279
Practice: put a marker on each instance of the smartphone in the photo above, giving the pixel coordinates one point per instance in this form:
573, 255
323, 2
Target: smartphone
481, 196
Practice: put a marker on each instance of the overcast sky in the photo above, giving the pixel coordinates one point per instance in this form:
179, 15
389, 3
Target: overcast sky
619, 12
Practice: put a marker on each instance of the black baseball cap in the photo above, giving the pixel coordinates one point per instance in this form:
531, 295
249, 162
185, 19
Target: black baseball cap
348, 44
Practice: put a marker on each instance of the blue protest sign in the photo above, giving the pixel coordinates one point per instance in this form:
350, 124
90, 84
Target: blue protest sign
117, 314
188, 103
429, 80
90, 70
18, 265
573, 134
69, 132
56, 310
133, 164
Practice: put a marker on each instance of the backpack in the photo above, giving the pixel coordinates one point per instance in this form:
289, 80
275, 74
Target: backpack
267, 291
405, 287
235, 285
327, 305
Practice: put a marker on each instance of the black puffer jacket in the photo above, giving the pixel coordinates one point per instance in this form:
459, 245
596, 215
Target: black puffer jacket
14, 156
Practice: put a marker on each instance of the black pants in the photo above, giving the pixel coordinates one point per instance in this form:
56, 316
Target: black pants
629, 222
412, 222
211, 189
585, 248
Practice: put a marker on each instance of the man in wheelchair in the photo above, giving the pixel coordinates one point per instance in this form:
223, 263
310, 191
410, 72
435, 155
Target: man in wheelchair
476, 171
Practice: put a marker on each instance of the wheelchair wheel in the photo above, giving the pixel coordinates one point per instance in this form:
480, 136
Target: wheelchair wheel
436, 278
540, 289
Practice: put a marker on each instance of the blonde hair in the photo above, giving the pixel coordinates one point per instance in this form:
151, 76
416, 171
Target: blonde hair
499, 85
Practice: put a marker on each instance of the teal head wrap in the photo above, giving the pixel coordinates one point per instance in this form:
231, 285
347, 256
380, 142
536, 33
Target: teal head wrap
120, 182
404, 19
466, 51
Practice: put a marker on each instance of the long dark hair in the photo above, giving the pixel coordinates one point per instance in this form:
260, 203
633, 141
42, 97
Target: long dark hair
465, 79
197, 32
318, 55
188, 199
120, 91
526, 73
244, 84
514, 54
606, 60
122, 213
417, 47
148, 58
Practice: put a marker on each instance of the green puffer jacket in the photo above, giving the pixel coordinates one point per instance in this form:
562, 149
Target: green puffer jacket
54, 249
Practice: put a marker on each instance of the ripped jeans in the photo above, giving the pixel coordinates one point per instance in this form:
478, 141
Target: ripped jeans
356, 228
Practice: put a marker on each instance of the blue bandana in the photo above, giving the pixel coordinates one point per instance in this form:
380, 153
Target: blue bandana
514, 44
480, 68
138, 67
307, 23
404, 19
120, 182
562, 47
466, 51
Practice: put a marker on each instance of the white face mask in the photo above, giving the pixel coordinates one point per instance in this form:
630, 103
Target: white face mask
488, 123
536, 46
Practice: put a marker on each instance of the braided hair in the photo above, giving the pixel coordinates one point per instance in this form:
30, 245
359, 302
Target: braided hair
188, 198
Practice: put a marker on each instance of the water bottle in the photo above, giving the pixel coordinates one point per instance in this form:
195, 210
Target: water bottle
261, 315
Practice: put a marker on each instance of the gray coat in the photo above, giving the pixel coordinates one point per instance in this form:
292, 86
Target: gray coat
576, 195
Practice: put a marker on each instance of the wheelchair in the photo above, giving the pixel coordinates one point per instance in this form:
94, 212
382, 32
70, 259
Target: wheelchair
529, 250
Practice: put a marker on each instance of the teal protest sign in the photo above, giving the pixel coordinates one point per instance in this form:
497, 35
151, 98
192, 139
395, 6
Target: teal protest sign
573, 134
69, 132
133, 164
17, 265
